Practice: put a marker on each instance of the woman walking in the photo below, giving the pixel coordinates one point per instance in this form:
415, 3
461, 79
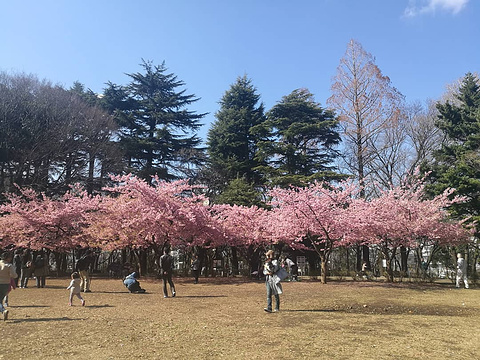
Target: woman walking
272, 282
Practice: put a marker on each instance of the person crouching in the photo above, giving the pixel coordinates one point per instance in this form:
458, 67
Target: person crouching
132, 284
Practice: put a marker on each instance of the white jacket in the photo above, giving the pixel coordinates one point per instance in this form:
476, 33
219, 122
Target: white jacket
7, 271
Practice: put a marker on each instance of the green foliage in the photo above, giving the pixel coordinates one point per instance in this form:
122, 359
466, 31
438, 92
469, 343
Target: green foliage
300, 139
231, 142
87, 95
240, 192
457, 163
158, 133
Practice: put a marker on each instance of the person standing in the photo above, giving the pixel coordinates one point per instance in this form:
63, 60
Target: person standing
293, 268
7, 273
74, 288
17, 264
166, 267
195, 268
272, 282
41, 269
83, 267
461, 271
27, 268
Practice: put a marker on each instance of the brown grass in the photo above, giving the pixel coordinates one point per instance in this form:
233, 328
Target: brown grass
221, 318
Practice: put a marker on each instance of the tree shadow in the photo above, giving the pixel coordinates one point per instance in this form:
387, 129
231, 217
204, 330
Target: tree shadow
42, 319
48, 287
309, 310
28, 306
201, 296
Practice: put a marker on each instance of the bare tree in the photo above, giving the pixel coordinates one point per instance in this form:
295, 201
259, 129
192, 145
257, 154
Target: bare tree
367, 104
423, 136
390, 154
50, 137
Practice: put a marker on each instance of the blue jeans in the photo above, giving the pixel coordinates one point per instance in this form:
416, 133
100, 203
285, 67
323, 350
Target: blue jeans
270, 292
3, 292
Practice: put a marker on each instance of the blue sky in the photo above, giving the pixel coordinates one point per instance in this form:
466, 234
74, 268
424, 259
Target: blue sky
281, 45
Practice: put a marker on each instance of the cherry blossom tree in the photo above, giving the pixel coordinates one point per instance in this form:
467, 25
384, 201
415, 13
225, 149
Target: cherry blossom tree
35, 221
317, 215
145, 218
143, 215
244, 228
402, 216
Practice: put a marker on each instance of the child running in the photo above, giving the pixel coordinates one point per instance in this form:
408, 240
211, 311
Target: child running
74, 288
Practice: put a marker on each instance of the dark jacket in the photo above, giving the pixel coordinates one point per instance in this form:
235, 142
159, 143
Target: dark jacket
84, 263
166, 263
17, 262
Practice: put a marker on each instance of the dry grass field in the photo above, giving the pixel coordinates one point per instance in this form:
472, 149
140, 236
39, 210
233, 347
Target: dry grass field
224, 318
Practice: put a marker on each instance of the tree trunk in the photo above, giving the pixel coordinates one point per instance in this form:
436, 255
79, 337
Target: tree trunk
403, 259
347, 259
253, 258
142, 259
390, 259
366, 256
90, 180
323, 266
234, 261
474, 266
359, 258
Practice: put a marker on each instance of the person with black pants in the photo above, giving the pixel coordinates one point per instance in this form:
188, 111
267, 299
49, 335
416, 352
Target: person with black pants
166, 267
195, 268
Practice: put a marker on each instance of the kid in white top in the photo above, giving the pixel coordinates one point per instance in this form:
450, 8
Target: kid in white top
74, 288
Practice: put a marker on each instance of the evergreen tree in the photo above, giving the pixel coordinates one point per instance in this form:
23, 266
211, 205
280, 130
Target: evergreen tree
157, 131
240, 192
231, 143
301, 141
457, 163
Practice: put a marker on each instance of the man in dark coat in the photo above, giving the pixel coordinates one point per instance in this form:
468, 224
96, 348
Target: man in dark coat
166, 267
83, 266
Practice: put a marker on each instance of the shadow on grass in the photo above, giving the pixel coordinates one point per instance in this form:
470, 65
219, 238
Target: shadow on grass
201, 296
48, 287
28, 306
42, 319
309, 310
414, 310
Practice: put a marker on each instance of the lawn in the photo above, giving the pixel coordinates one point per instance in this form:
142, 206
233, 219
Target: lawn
224, 318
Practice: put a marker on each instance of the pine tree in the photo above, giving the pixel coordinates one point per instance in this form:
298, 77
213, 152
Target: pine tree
239, 192
231, 143
457, 163
301, 141
156, 128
